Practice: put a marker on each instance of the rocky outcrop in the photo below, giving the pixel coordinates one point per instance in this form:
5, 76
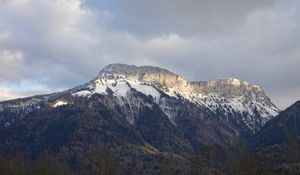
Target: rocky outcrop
143, 114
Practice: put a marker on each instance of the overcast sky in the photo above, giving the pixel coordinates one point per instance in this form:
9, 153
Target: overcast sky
51, 45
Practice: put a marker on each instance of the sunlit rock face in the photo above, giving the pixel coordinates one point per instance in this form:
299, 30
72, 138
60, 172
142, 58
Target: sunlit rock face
138, 108
242, 101
217, 110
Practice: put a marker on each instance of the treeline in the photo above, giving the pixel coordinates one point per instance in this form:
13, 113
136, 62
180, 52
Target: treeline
101, 163
211, 160
239, 159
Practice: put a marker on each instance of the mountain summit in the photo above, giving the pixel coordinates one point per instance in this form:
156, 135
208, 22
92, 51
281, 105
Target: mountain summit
230, 99
242, 105
146, 109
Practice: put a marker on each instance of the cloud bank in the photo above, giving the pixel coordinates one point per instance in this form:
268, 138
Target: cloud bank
50, 45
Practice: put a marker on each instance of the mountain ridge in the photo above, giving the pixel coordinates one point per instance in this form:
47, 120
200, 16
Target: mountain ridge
244, 103
282, 129
240, 96
140, 116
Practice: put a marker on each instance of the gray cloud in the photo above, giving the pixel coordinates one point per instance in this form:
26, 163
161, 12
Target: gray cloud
202, 17
54, 45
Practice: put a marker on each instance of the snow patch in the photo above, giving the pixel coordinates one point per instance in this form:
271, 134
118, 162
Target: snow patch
145, 89
120, 88
100, 87
84, 93
200, 94
7, 124
234, 81
59, 103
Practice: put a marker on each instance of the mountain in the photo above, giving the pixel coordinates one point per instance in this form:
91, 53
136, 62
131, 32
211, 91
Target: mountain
143, 114
245, 105
278, 142
282, 129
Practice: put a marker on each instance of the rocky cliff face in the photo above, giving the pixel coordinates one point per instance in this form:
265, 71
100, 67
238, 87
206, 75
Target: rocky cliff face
243, 106
238, 102
146, 109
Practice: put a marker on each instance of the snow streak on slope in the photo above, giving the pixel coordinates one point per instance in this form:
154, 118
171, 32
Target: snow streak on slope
145, 89
120, 88
231, 96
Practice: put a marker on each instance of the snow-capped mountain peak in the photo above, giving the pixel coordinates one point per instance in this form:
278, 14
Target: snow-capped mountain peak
241, 106
234, 97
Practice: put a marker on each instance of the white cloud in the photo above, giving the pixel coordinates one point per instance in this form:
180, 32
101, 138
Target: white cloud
10, 61
3, 35
23, 88
63, 43
283, 98
11, 56
49, 34
167, 44
7, 94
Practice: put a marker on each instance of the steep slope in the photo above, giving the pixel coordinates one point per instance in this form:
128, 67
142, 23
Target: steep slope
242, 107
245, 106
71, 126
282, 129
138, 112
278, 142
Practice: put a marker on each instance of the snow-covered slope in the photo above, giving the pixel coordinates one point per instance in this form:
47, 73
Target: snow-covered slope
229, 99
